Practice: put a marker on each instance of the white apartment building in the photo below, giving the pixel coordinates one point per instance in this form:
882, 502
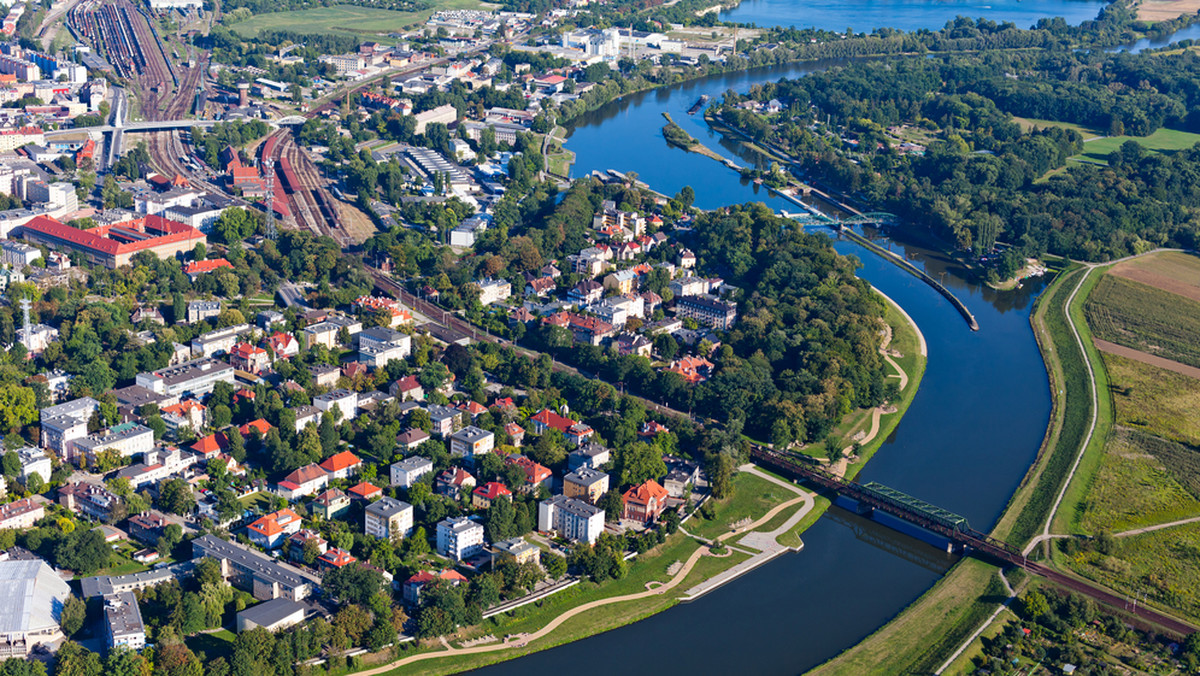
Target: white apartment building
459, 538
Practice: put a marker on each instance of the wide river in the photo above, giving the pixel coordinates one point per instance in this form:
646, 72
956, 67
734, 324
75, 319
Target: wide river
964, 444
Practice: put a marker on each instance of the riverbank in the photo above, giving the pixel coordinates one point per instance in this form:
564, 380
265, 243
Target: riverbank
676, 136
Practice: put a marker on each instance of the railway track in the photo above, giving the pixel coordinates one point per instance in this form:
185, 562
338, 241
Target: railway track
310, 205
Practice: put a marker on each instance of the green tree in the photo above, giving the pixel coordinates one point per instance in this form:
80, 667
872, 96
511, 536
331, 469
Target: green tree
1034, 605
555, 565
354, 583
176, 497
11, 464
18, 406
74, 612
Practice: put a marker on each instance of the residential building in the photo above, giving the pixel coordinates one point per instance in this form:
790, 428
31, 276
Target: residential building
645, 502
693, 370
710, 312
305, 481
471, 441
540, 286
445, 114
146, 527
271, 530
680, 475
365, 491
574, 432
407, 389
188, 413
451, 482
571, 518
586, 483
493, 291
414, 584
516, 433
518, 550
273, 615
345, 401
589, 330
688, 286
588, 455
200, 310
299, 540
284, 345
411, 438
307, 415
483, 496
324, 376
126, 439
330, 504
445, 419
406, 472
535, 475
633, 344
459, 538
586, 292
341, 465
21, 514
334, 558
90, 500
249, 357
64, 423
32, 596
388, 518
195, 378
123, 626
34, 461
623, 281
265, 577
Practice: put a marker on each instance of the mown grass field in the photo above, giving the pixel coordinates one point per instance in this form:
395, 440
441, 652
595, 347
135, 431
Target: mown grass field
344, 20
1142, 317
752, 497
1162, 141
1135, 486
1028, 123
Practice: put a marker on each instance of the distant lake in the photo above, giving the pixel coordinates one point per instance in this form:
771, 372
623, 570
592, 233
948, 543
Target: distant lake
865, 16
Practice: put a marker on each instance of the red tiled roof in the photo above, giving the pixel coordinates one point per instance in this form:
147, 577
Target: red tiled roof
427, 576
551, 419
336, 557
197, 267
184, 407
305, 474
213, 443
96, 239
492, 490
261, 425
273, 524
407, 384
534, 472
644, 493
246, 350
340, 461
366, 490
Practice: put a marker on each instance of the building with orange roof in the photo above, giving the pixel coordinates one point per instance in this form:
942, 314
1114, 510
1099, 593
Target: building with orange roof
116, 244
366, 491
398, 313
249, 357
483, 496
474, 408
414, 584
211, 445
187, 413
271, 530
261, 426
535, 474
284, 345
302, 537
575, 432
196, 268
330, 504
515, 433
341, 465
693, 369
334, 558
305, 481
645, 502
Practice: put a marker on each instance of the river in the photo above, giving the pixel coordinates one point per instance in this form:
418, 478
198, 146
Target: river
968, 438
907, 15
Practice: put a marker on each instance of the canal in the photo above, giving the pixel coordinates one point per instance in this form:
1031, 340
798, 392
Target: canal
970, 435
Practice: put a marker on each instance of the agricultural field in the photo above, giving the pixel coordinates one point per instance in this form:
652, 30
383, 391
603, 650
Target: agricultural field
1174, 271
344, 20
1144, 318
1142, 481
1155, 400
1161, 141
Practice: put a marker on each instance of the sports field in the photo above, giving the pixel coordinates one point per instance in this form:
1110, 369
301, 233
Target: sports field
345, 19
1163, 140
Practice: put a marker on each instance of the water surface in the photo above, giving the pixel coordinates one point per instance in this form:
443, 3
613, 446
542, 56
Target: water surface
864, 16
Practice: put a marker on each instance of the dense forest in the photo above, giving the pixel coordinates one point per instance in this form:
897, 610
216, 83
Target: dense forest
982, 178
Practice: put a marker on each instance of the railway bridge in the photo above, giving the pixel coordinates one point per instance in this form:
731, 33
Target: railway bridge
873, 497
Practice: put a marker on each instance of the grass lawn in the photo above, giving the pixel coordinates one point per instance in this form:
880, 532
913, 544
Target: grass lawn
124, 567
217, 644
921, 637
345, 19
1028, 123
260, 500
1133, 488
1163, 140
752, 497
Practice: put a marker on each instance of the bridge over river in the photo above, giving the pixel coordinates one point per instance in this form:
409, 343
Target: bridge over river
874, 497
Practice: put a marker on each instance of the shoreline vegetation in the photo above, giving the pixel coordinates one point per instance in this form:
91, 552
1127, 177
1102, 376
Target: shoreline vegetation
671, 573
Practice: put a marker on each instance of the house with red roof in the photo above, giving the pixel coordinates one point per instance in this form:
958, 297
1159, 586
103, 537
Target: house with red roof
407, 389
249, 357
453, 480
366, 491
211, 445
329, 504
196, 268
692, 369
271, 530
284, 345
334, 558
300, 538
575, 432
341, 465
474, 408
305, 481
261, 426
645, 501
187, 413
414, 584
483, 496
354, 369
535, 474
515, 433
651, 429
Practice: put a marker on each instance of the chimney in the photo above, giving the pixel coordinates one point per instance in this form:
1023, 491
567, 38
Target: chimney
243, 94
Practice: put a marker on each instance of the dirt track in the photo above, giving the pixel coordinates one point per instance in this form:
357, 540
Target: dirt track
1145, 358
